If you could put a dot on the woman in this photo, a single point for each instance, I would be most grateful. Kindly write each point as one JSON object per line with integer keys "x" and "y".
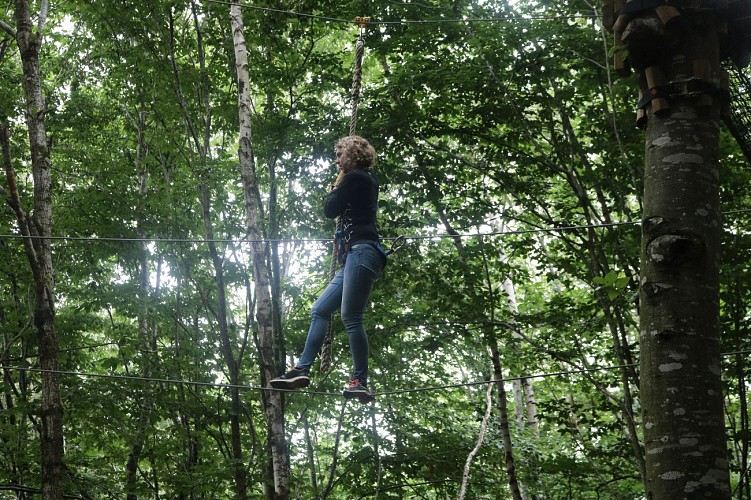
{"x": 354, "y": 199}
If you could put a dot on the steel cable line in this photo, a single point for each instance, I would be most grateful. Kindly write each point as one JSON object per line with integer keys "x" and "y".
{"x": 219, "y": 385}
{"x": 135, "y": 378}
{"x": 319, "y": 240}
{"x": 499, "y": 19}
{"x": 413, "y": 237}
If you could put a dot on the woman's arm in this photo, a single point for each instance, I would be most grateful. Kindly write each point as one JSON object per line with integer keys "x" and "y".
{"x": 339, "y": 198}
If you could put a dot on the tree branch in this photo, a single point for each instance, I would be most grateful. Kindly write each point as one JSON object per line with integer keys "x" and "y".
{"x": 7, "y": 28}
{"x": 14, "y": 200}
{"x": 43, "y": 11}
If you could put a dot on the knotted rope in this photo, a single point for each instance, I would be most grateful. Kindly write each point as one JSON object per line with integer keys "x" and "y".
{"x": 356, "y": 83}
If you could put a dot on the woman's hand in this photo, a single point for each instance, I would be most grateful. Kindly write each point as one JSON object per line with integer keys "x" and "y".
{"x": 339, "y": 178}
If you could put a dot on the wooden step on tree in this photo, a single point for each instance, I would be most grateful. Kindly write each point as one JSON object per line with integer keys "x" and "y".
{"x": 646, "y": 32}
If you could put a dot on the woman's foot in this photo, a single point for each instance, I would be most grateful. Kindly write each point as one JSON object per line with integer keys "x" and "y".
{"x": 293, "y": 379}
{"x": 356, "y": 388}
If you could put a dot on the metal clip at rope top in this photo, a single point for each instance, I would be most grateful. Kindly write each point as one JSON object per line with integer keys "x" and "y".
{"x": 362, "y": 21}
{"x": 396, "y": 244}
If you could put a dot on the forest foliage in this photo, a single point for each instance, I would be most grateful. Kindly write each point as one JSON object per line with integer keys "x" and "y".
{"x": 509, "y": 159}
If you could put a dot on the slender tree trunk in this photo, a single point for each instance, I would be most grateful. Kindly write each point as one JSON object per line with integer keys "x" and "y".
{"x": 276, "y": 268}
{"x": 39, "y": 250}
{"x": 744, "y": 484}
{"x": 525, "y": 404}
{"x": 232, "y": 361}
{"x": 200, "y": 138}
{"x": 524, "y": 393}
{"x": 310, "y": 452}
{"x": 504, "y": 421}
{"x": 376, "y": 450}
{"x": 480, "y": 440}
{"x": 492, "y": 343}
{"x": 272, "y": 400}
{"x": 681, "y": 388}
{"x": 15, "y": 392}
{"x": 145, "y": 410}
{"x": 335, "y": 455}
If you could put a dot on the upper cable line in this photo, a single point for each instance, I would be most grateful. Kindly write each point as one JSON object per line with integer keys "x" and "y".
{"x": 497, "y": 19}
{"x": 414, "y": 237}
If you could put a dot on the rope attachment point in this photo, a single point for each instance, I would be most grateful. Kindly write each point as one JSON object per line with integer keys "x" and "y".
{"x": 362, "y": 21}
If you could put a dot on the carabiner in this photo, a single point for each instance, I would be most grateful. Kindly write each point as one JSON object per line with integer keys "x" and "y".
{"x": 397, "y": 244}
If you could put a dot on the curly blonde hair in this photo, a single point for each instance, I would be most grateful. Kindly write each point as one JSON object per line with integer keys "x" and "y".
{"x": 358, "y": 150}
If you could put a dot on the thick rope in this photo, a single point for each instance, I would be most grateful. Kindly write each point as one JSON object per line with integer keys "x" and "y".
{"x": 356, "y": 84}
{"x": 355, "y": 100}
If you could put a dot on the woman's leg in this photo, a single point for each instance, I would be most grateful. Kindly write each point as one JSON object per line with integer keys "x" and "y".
{"x": 364, "y": 265}
{"x": 326, "y": 304}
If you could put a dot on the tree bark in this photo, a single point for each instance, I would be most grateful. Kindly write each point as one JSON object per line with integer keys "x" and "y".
{"x": 39, "y": 251}
{"x": 478, "y": 444}
{"x": 492, "y": 343}
{"x": 259, "y": 253}
{"x": 681, "y": 389}
{"x": 200, "y": 137}
{"x": 17, "y": 456}
{"x": 508, "y": 451}
{"x": 524, "y": 393}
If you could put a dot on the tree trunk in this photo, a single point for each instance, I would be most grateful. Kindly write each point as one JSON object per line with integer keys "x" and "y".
{"x": 508, "y": 452}
{"x": 492, "y": 343}
{"x": 232, "y": 361}
{"x": 478, "y": 444}
{"x": 144, "y": 335}
{"x": 203, "y": 146}
{"x": 744, "y": 484}
{"x": 681, "y": 389}
{"x": 310, "y": 453}
{"x": 272, "y": 400}
{"x": 39, "y": 250}
{"x": 17, "y": 456}
{"x": 524, "y": 393}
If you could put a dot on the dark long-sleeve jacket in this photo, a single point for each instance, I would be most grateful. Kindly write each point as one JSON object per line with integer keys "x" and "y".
{"x": 355, "y": 200}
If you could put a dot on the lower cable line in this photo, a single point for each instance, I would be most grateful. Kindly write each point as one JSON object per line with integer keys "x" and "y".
{"x": 219, "y": 385}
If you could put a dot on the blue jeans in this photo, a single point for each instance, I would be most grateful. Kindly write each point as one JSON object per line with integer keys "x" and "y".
{"x": 349, "y": 290}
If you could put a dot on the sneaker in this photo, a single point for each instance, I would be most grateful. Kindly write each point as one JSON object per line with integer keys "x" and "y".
{"x": 293, "y": 379}
{"x": 356, "y": 389}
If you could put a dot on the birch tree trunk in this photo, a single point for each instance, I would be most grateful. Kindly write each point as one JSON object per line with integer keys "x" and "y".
{"x": 478, "y": 444}
{"x": 524, "y": 393}
{"x": 272, "y": 400}
{"x": 681, "y": 388}
{"x": 38, "y": 250}
{"x": 233, "y": 361}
